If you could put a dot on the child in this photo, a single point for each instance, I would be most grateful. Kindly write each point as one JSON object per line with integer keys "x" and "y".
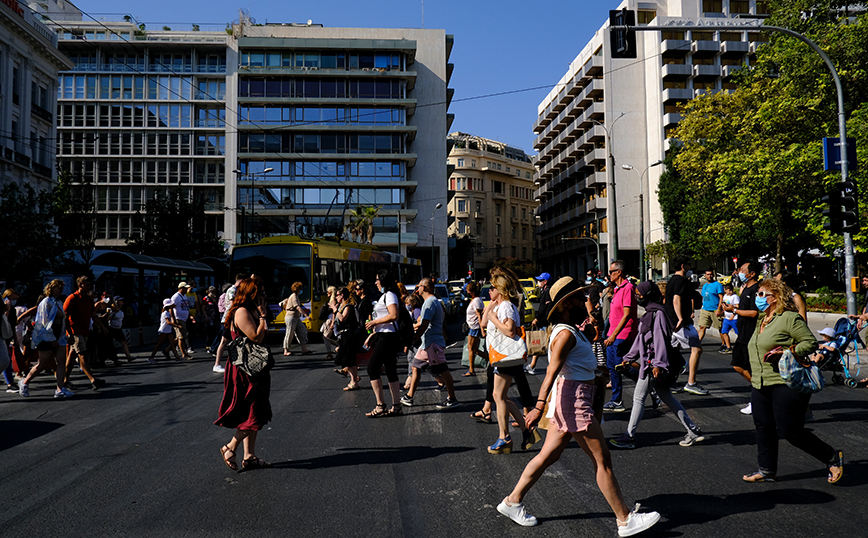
{"x": 116, "y": 323}
{"x": 166, "y": 332}
{"x": 729, "y": 318}
{"x": 829, "y": 345}
{"x": 413, "y": 303}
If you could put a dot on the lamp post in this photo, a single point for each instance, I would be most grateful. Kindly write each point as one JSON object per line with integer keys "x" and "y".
{"x": 612, "y": 211}
{"x": 252, "y": 176}
{"x": 642, "y": 212}
{"x": 436, "y": 207}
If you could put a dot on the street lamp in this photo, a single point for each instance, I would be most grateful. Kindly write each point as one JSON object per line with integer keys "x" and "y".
{"x": 594, "y": 241}
{"x": 252, "y": 176}
{"x": 436, "y": 207}
{"x": 612, "y": 211}
{"x": 642, "y": 212}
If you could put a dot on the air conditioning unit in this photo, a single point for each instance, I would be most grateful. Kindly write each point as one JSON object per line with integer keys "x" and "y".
{"x": 497, "y": 220}
{"x": 366, "y": 69}
{"x": 314, "y": 68}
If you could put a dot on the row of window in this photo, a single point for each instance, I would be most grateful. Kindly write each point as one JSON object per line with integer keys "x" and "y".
{"x": 496, "y": 166}
{"x": 121, "y": 226}
{"x": 464, "y": 227}
{"x": 139, "y": 144}
{"x": 132, "y": 198}
{"x": 145, "y": 171}
{"x": 278, "y": 197}
{"x": 321, "y": 88}
{"x": 163, "y": 88}
{"x": 140, "y": 115}
{"x": 319, "y": 143}
{"x": 388, "y": 61}
{"x": 165, "y": 62}
{"x": 464, "y": 206}
{"x": 711, "y": 35}
{"x": 736, "y": 7}
{"x": 314, "y": 115}
{"x": 323, "y": 170}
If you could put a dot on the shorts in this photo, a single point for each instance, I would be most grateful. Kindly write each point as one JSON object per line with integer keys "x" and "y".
{"x": 476, "y": 333}
{"x": 44, "y": 346}
{"x": 686, "y": 338}
{"x": 707, "y": 318}
{"x": 574, "y": 408}
{"x": 78, "y": 343}
{"x": 117, "y": 334}
{"x": 729, "y": 325}
{"x": 433, "y": 354}
{"x": 181, "y": 332}
{"x": 740, "y": 357}
{"x": 511, "y": 371}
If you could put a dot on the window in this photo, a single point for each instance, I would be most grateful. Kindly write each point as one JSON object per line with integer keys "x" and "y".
{"x": 737, "y": 7}
{"x": 460, "y": 162}
{"x": 497, "y": 186}
{"x": 472, "y": 163}
{"x": 497, "y": 210}
{"x": 462, "y": 227}
{"x": 523, "y": 232}
{"x": 712, "y": 6}
{"x": 462, "y": 206}
{"x": 645, "y": 17}
{"x": 15, "y": 83}
{"x": 762, "y": 7}
{"x": 703, "y": 36}
{"x": 478, "y": 228}
{"x": 524, "y": 252}
{"x": 730, "y": 36}
{"x": 513, "y": 252}
{"x": 677, "y": 35}
{"x": 497, "y": 230}
{"x": 512, "y": 211}
{"x": 523, "y": 213}
{"x": 478, "y": 206}
{"x": 513, "y": 235}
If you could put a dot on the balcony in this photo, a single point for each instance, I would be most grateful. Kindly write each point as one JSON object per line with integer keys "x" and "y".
{"x": 42, "y": 170}
{"x": 729, "y": 70}
{"x": 733, "y": 49}
{"x": 706, "y": 72}
{"x": 676, "y": 71}
{"x": 41, "y": 113}
{"x": 703, "y": 91}
{"x": 674, "y": 48}
{"x": 671, "y": 119}
{"x": 677, "y": 94}
{"x": 705, "y": 49}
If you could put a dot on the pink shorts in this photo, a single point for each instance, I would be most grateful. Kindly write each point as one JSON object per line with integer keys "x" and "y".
{"x": 433, "y": 354}
{"x": 574, "y": 409}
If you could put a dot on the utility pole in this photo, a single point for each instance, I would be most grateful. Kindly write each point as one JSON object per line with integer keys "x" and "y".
{"x": 612, "y": 210}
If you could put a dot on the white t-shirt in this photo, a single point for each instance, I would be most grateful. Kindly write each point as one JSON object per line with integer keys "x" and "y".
{"x": 381, "y": 309}
{"x": 117, "y": 320}
{"x": 165, "y": 327}
{"x": 472, "y": 319}
{"x": 182, "y": 306}
{"x": 730, "y": 300}
{"x": 504, "y": 311}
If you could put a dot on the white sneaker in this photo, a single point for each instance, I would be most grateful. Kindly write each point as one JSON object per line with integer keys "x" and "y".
{"x": 190, "y": 351}
{"x": 530, "y": 371}
{"x": 517, "y": 513}
{"x": 63, "y": 393}
{"x": 746, "y": 410}
{"x": 218, "y": 369}
{"x": 24, "y": 389}
{"x": 637, "y": 522}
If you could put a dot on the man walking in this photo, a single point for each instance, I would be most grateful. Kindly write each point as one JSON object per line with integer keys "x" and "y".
{"x": 712, "y": 302}
{"x": 746, "y": 310}
{"x": 541, "y": 320}
{"x": 679, "y": 308}
{"x": 226, "y": 334}
{"x": 431, "y": 353}
{"x": 182, "y": 314}
{"x": 622, "y": 330}
{"x": 80, "y": 312}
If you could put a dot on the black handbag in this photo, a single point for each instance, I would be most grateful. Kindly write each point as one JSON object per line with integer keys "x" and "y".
{"x": 465, "y": 328}
{"x": 249, "y": 357}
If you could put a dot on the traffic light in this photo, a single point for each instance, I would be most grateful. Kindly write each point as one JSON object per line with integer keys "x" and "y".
{"x": 843, "y": 210}
{"x": 622, "y": 41}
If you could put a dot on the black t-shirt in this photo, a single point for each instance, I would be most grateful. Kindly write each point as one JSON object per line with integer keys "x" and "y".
{"x": 678, "y": 285}
{"x": 365, "y": 308}
{"x": 744, "y": 324}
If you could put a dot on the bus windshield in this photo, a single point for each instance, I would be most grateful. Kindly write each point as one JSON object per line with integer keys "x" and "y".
{"x": 279, "y": 266}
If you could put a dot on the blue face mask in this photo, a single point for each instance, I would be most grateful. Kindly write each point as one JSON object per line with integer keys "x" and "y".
{"x": 742, "y": 277}
{"x": 761, "y": 303}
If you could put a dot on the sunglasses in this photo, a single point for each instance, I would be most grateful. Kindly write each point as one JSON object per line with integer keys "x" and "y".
{"x": 762, "y": 293}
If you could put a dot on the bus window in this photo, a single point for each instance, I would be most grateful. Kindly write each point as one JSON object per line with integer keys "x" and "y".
{"x": 279, "y": 266}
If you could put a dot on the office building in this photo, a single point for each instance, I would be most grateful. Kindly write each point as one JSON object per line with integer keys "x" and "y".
{"x": 491, "y": 199}
{"x": 29, "y": 64}
{"x": 635, "y": 103}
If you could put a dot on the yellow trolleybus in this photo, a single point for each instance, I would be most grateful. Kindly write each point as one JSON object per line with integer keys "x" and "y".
{"x": 317, "y": 263}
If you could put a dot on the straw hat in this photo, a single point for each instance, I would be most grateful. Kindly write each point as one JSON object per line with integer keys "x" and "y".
{"x": 562, "y": 289}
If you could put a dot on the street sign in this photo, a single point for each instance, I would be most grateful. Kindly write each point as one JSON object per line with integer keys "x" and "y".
{"x": 832, "y": 154}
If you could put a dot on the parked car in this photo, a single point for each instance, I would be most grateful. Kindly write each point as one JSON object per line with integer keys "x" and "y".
{"x": 531, "y": 289}
{"x": 443, "y": 295}
{"x": 529, "y": 312}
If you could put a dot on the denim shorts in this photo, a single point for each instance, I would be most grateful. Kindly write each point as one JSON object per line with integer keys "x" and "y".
{"x": 475, "y": 333}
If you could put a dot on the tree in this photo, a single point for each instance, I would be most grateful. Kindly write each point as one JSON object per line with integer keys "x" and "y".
{"x": 361, "y": 226}
{"x": 75, "y": 215}
{"x": 522, "y": 268}
{"x": 172, "y": 226}
{"x": 27, "y": 229}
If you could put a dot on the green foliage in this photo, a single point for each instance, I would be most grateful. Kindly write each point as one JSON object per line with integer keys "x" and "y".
{"x": 361, "y": 226}
{"x": 172, "y": 226}
{"x": 75, "y": 214}
{"x": 27, "y": 229}
{"x": 749, "y": 175}
{"x": 522, "y": 268}
{"x": 827, "y": 301}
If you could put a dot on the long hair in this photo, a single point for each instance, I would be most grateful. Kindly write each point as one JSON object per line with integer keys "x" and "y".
{"x": 505, "y": 286}
{"x": 246, "y": 294}
{"x": 348, "y": 295}
{"x": 782, "y": 293}
{"x": 56, "y": 283}
{"x": 387, "y": 280}
{"x": 511, "y": 284}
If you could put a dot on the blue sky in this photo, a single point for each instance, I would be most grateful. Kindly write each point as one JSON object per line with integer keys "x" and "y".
{"x": 499, "y": 46}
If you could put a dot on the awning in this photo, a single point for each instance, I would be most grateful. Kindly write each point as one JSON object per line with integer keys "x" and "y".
{"x": 116, "y": 258}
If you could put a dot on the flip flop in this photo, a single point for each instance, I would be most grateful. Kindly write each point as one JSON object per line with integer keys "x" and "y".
{"x": 468, "y": 374}
{"x": 352, "y": 386}
{"x": 341, "y": 371}
{"x": 254, "y": 463}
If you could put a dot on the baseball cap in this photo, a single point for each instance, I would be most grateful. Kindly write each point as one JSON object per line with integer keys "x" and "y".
{"x": 183, "y": 285}
{"x": 543, "y": 276}
{"x": 828, "y": 331}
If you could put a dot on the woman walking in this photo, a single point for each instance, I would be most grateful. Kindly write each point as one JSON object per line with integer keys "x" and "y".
{"x": 571, "y": 373}
{"x": 474, "y": 316}
{"x": 293, "y": 311}
{"x": 778, "y": 410}
{"x": 245, "y": 406}
{"x": 657, "y": 363}
{"x": 385, "y": 345}
{"x": 49, "y": 339}
{"x": 347, "y": 323}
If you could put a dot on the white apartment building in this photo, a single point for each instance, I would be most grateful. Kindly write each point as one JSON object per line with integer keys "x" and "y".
{"x": 277, "y": 128}
{"x": 637, "y": 102}
{"x": 29, "y": 63}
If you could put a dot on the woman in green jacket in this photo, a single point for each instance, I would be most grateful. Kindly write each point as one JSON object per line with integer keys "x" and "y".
{"x": 778, "y": 410}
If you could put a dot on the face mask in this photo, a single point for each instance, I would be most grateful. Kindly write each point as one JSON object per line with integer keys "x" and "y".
{"x": 742, "y": 277}
{"x": 13, "y": 301}
{"x": 106, "y": 300}
{"x": 761, "y": 303}
{"x": 643, "y": 301}
{"x": 588, "y": 280}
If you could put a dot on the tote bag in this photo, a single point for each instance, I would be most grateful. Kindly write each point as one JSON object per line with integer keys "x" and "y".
{"x": 799, "y": 378}
{"x": 504, "y": 351}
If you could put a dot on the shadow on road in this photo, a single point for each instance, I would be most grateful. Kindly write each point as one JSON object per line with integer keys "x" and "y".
{"x": 372, "y": 456}
{"x": 15, "y": 432}
{"x": 690, "y": 509}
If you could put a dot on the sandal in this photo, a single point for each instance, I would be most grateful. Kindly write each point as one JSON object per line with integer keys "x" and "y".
{"x": 758, "y": 476}
{"x": 396, "y": 411}
{"x": 378, "y": 411}
{"x": 480, "y": 416}
{"x": 352, "y": 386}
{"x": 229, "y": 461}
{"x": 341, "y": 371}
{"x": 468, "y": 374}
{"x": 836, "y": 467}
{"x": 254, "y": 463}
{"x": 308, "y": 352}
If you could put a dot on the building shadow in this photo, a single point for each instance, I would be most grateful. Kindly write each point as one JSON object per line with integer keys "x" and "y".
{"x": 16, "y": 432}
{"x": 371, "y": 456}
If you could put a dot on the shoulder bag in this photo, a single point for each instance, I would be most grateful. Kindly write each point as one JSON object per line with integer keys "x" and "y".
{"x": 804, "y": 379}
{"x": 248, "y": 356}
{"x": 504, "y": 351}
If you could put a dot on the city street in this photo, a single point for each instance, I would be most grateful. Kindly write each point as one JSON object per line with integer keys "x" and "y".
{"x": 141, "y": 458}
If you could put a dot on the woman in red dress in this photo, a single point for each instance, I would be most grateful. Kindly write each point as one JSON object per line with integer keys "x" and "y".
{"x": 245, "y": 407}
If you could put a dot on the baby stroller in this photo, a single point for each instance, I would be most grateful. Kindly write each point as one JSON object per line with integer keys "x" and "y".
{"x": 839, "y": 361}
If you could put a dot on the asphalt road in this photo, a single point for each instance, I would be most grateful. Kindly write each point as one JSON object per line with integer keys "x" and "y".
{"x": 141, "y": 458}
